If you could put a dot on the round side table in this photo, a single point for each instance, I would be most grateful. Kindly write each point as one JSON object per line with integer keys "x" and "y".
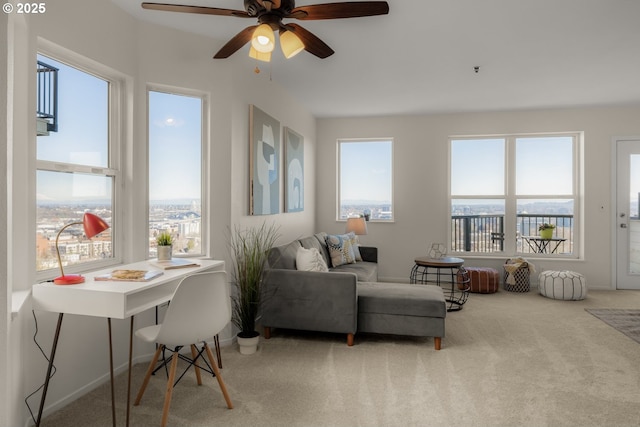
{"x": 448, "y": 273}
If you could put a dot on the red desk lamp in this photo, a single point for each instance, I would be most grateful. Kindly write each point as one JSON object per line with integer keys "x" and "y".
{"x": 93, "y": 225}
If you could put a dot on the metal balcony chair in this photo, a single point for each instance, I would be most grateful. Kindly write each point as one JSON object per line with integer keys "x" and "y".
{"x": 199, "y": 310}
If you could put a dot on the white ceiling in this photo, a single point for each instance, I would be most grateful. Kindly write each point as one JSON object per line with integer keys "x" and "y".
{"x": 420, "y": 58}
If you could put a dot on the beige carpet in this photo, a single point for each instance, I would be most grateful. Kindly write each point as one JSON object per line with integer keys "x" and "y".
{"x": 508, "y": 360}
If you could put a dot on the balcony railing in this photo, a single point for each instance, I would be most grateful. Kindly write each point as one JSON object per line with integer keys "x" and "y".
{"x": 485, "y": 233}
{"x": 47, "y": 102}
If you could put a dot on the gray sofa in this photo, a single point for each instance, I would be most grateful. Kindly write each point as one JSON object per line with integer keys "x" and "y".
{"x": 310, "y": 300}
{"x": 346, "y": 299}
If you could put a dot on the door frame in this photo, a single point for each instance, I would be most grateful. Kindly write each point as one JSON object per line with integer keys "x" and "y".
{"x": 614, "y": 205}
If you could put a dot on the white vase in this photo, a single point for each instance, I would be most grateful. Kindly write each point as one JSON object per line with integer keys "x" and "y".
{"x": 164, "y": 253}
{"x": 248, "y": 345}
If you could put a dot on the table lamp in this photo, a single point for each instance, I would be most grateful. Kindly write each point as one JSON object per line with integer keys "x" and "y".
{"x": 357, "y": 225}
{"x": 93, "y": 225}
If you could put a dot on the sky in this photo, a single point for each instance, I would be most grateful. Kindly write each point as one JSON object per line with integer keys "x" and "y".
{"x": 175, "y": 124}
{"x": 366, "y": 171}
{"x": 543, "y": 166}
{"x": 175, "y": 140}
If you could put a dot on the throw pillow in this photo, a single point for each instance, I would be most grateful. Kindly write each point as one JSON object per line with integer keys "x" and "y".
{"x": 310, "y": 260}
{"x": 340, "y": 249}
{"x": 354, "y": 245}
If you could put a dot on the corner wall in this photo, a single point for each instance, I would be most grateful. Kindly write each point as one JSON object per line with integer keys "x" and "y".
{"x": 420, "y": 179}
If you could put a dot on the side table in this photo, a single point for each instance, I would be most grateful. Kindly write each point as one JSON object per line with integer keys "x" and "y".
{"x": 448, "y": 273}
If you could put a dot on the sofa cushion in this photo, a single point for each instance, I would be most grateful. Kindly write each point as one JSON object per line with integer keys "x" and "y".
{"x": 321, "y": 237}
{"x": 310, "y": 260}
{"x": 402, "y": 299}
{"x": 313, "y": 242}
{"x": 355, "y": 245}
{"x": 340, "y": 249}
{"x": 284, "y": 256}
{"x": 366, "y": 271}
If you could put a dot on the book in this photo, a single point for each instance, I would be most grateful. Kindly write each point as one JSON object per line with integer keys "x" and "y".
{"x": 130, "y": 275}
{"x": 175, "y": 263}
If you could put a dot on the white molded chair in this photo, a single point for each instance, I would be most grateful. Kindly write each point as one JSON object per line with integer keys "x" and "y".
{"x": 199, "y": 310}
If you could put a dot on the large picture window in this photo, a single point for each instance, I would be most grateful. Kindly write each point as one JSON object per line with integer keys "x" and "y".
{"x": 504, "y": 189}
{"x": 76, "y": 168}
{"x": 175, "y": 170}
{"x": 365, "y": 169}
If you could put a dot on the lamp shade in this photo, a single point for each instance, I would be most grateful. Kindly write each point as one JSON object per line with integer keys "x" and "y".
{"x": 290, "y": 44}
{"x": 356, "y": 225}
{"x": 93, "y": 225}
{"x": 263, "y": 39}
{"x": 260, "y": 56}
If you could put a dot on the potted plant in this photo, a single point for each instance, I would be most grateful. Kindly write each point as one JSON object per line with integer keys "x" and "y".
{"x": 249, "y": 251}
{"x": 164, "y": 242}
{"x": 546, "y": 230}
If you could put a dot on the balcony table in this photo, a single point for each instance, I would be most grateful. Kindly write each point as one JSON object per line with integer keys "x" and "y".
{"x": 540, "y": 245}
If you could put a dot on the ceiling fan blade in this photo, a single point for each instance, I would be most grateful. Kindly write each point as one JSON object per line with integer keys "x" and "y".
{"x": 239, "y": 40}
{"x": 195, "y": 9}
{"x": 312, "y": 44}
{"x": 350, "y": 9}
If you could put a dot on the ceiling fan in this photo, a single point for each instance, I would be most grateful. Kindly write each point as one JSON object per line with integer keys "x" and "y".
{"x": 270, "y": 13}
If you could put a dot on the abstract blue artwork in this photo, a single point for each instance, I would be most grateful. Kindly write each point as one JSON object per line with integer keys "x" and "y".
{"x": 264, "y": 137}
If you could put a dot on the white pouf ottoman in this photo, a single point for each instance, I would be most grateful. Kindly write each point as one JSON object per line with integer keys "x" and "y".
{"x": 563, "y": 285}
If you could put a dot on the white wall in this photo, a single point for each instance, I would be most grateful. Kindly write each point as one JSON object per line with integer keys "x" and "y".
{"x": 144, "y": 54}
{"x": 420, "y": 179}
{"x": 5, "y": 295}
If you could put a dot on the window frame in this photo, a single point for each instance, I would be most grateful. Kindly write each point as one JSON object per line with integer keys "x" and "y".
{"x": 511, "y": 198}
{"x": 339, "y": 143}
{"x": 204, "y": 164}
{"x": 117, "y": 87}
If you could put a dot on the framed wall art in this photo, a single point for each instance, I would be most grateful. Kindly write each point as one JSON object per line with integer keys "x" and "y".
{"x": 294, "y": 171}
{"x": 264, "y": 160}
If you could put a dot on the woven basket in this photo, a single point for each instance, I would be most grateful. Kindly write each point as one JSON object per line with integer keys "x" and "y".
{"x": 521, "y": 278}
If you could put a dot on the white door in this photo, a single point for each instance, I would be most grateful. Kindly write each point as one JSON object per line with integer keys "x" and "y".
{"x": 627, "y": 214}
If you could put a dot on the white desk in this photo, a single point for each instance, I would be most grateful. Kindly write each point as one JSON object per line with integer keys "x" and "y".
{"x": 110, "y": 299}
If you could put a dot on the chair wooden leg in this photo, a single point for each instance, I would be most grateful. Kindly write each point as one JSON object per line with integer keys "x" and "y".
{"x": 437, "y": 342}
{"x": 150, "y": 369}
{"x": 267, "y": 332}
{"x": 194, "y": 355}
{"x": 223, "y": 387}
{"x": 168, "y": 394}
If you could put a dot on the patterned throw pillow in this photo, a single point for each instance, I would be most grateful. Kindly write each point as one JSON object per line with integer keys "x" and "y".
{"x": 310, "y": 260}
{"x": 354, "y": 245}
{"x": 340, "y": 249}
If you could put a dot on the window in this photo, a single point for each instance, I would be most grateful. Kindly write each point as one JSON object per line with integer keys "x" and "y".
{"x": 365, "y": 179}
{"x": 504, "y": 188}
{"x": 76, "y": 171}
{"x": 175, "y": 170}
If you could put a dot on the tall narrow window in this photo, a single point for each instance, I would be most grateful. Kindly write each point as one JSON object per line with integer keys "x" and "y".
{"x": 175, "y": 171}
{"x": 505, "y": 189}
{"x": 365, "y": 179}
{"x": 75, "y": 172}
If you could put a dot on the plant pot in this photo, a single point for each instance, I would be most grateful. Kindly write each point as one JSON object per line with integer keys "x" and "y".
{"x": 547, "y": 233}
{"x": 248, "y": 342}
{"x": 165, "y": 253}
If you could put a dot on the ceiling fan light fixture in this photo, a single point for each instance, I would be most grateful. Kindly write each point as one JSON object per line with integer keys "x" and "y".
{"x": 291, "y": 44}
{"x": 260, "y": 56}
{"x": 263, "y": 39}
